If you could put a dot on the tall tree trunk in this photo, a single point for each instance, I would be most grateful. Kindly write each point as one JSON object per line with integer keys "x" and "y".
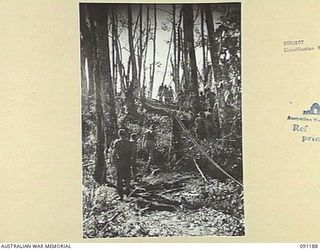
{"x": 146, "y": 50}
{"x": 131, "y": 48}
{"x": 203, "y": 45}
{"x": 175, "y": 69}
{"x": 105, "y": 73}
{"x": 179, "y": 50}
{"x": 211, "y": 39}
{"x": 154, "y": 51}
{"x": 100, "y": 164}
{"x": 131, "y": 90}
{"x": 134, "y": 46}
{"x": 179, "y": 58}
{"x": 120, "y": 64}
{"x": 213, "y": 53}
{"x": 189, "y": 41}
{"x": 86, "y": 49}
{"x": 140, "y": 48}
{"x": 84, "y": 81}
{"x": 92, "y": 85}
{"x": 185, "y": 61}
{"x": 114, "y": 57}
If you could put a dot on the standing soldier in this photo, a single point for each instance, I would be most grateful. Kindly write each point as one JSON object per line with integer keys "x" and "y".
{"x": 210, "y": 98}
{"x": 122, "y": 158}
{"x": 150, "y": 144}
{"x": 166, "y": 94}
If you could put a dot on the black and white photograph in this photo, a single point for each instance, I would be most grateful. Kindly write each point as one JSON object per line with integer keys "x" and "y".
{"x": 161, "y": 109}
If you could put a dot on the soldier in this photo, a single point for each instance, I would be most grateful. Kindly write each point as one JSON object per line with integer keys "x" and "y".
{"x": 122, "y": 158}
{"x": 133, "y": 141}
{"x": 210, "y": 98}
{"x": 166, "y": 94}
{"x": 150, "y": 144}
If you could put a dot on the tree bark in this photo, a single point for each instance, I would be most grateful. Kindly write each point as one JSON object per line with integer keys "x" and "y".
{"x": 175, "y": 69}
{"x": 100, "y": 164}
{"x": 146, "y": 50}
{"x": 189, "y": 42}
{"x": 120, "y": 65}
{"x": 185, "y": 61}
{"x": 114, "y": 57}
{"x": 84, "y": 37}
{"x": 134, "y": 77}
{"x": 132, "y": 88}
{"x": 154, "y": 51}
{"x": 140, "y": 48}
{"x": 179, "y": 58}
{"x": 203, "y": 45}
{"x": 105, "y": 73}
{"x": 213, "y": 52}
{"x": 179, "y": 50}
{"x": 86, "y": 49}
{"x": 211, "y": 39}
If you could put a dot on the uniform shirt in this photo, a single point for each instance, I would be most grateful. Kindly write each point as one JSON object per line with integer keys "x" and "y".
{"x": 122, "y": 151}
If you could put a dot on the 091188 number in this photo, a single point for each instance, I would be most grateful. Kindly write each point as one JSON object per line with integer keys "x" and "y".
{"x": 304, "y": 246}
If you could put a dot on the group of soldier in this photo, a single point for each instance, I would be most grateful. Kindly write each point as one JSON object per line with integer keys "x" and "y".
{"x": 165, "y": 94}
{"x": 124, "y": 151}
{"x": 207, "y": 98}
{"x": 207, "y": 124}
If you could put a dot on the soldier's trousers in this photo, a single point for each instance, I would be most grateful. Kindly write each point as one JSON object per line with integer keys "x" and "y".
{"x": 123, "y": 177}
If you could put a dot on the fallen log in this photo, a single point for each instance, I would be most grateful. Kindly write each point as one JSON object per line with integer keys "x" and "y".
{"x": 155, "y": 110}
